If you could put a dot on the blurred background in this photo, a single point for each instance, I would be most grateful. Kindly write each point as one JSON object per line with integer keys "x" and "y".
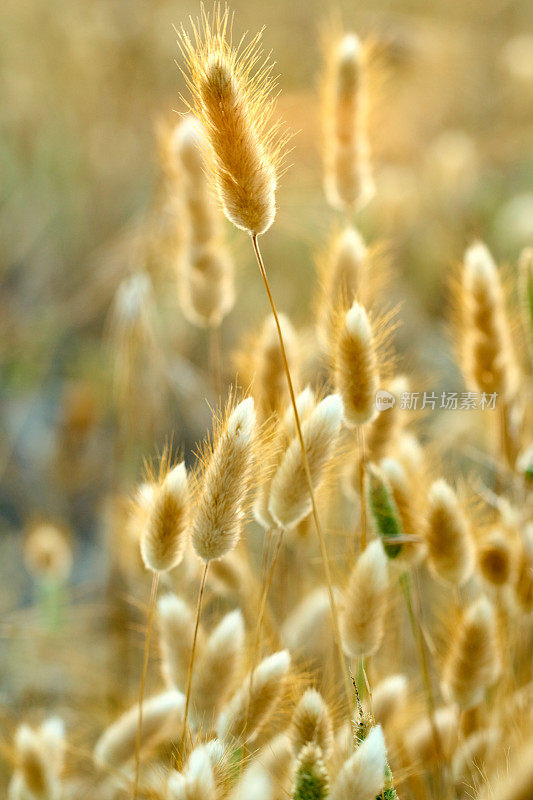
{"x": 85, "y": 88}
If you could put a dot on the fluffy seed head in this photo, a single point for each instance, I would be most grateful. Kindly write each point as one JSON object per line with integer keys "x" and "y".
{"x": 450, "y": 548}
{"x": 311, "y": 781}
{"x": 161, "y": 715}
{"x": 420, "y": 741}
{"x": 270, "y": 384}
{"x": 224, "y": 484}
{"x": 39, "y": 760}
{"x": 386, "y": 427}
{"x": 473, "y": 663}
{"x": 218, "y": 665}
{"x": 495, "y": 558}
{"x": 206, "y": 281}
{"x": 363, "y": 617}
{"x": 230, "y": 88}
{"x": 311, "y": 723}
{"x": 47, "y": 552}
{"x": 164, "y": 538}
{"x": 485, "y": 340}
{"x": 250, "y": 707}
{"x": 406, "y": 493}
{"x": 307, "y": 629}
{"x": 363, "y": 775}
{"x": 356, "y": 367}
{"x": 342, "y": 277}
{"x": 289, "y": 496}
{"x": 176, "y": 632}
{"x": 348, "y": 180}
{"x": 388, "y": 696}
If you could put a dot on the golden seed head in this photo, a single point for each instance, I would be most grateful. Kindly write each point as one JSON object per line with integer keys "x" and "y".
{"x": 224, "y": 484}
{"x": 420, "y": 739}
{"x": 252, "y": 705}
{"x": 388, "y": 696}
{"x": 231, "y": 99}
{"x": 356, "y": 367}
{"x": 485, "y": 339}
{"x": 218, "y": 665}
{"x": 473, "y": 663}
{"x": 449, "y": 541}
{"x": 362, "y": 621}
{"x": 289, "y": 495}
{"x": 164, "y": 537}
{"x": 311, "y": 723}
{"x": 495, "y": 558}
{"x": 348, "y": 179}
{"x": 162, "y": 714}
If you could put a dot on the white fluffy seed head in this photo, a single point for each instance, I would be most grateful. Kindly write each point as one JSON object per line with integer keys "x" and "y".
{"x": 251, "y": 706}
{"x": 218, "y": 665}
{"x": 311, "y": 723}
{"x": 176, "y": 632}
{"x": 363, "y": 617}
{"x": 161, "y": 715}
{"x": 363, "y": 775}
{"x": 480, "y": 267}
{"x": 388, "y": 697}
{"x": 290, "y": 501}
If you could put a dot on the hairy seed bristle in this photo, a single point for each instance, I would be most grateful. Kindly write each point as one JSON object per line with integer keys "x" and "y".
{"x": 348, "y": 179}
{"x": 363, "y": 775}
{"x": 363, "y": 618}
{"x": 473, "y": 662}
{"x": 230, "y": 89}
{"x": 165, "y": 535}
{"x": 356, "y": 367}
{"x": 161, "y": 717}
{"x": 224, "y": 484}
{"x": 290, "y": 501}
{"x": 448, "y": 537}
{"x": 252, "y": 705}
{"x": 311, "y": 723}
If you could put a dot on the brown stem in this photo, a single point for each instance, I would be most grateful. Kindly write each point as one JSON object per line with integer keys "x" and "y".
{"x": 309, "y": 480}
{"x": 362, "y": 492}
{"x": 193, "y": 651}
{"x": 151, "y": 609}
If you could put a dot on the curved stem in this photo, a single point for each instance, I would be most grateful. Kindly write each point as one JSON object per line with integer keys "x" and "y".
{"x": 193, "y": 651}
{"x": 151, "y": 609}
{"x": 309, "y": 480}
